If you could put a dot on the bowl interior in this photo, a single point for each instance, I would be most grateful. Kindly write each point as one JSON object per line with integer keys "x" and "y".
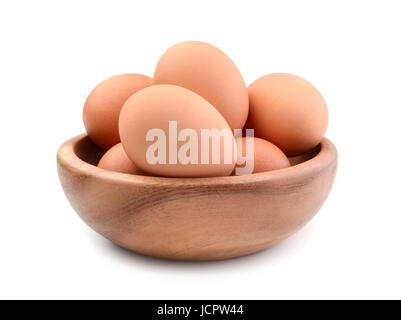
{"x": 90, "y": 153}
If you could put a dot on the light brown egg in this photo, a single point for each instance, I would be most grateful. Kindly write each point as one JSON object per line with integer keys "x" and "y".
{"x": 209, "y": 72}
{"x": 115, "y": 159}
{"x": 266, "y": 156}
{"x": 154, "y": 112}
{"x": 287, "y": 111}
{"x": 103, "y": 105}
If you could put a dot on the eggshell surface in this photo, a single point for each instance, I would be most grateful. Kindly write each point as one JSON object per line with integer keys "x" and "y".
{"x": 157, "y": 107}
{"x": 288, "y": 111}
{"x": 209, "y": 72}
{"x": 115, "y": 159}
{"x": 103, "y": 105}
{"x": 266, "y": 156}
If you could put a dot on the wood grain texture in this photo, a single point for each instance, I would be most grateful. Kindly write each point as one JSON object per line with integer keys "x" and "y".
{"x": 195, "y": 218}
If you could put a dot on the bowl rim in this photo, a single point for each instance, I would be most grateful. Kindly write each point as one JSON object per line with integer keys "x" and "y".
{"x": 69, "y": 160}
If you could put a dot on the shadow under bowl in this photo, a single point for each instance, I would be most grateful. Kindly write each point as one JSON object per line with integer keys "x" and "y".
{"x": 195, "y": 218}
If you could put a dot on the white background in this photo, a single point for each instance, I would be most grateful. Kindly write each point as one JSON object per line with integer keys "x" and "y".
{"x": 53, "y": 53}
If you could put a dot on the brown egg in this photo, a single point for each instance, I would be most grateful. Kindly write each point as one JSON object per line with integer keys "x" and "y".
{"x": 161, "y": 131}
{"x": 115, "y": 159}
{"x": 103, "y": 105}
{"x": 266, "y": 156}
{"x": 209, "y": 72}
{"x": 288, "y": 111}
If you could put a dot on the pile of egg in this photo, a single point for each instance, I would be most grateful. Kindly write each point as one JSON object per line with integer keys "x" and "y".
{"x": 198, "y": 86}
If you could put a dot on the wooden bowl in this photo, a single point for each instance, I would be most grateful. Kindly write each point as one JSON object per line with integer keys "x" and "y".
{"x": 196, "y": 218}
